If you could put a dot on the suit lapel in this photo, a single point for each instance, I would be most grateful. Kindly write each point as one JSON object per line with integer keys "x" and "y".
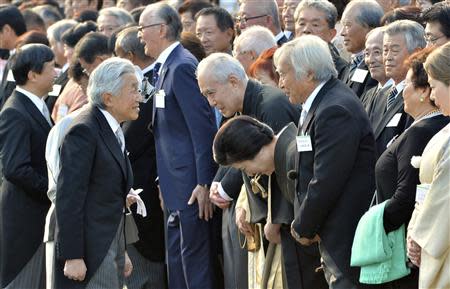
{"x": 111, "y": 141}
{"x": 395, "y": 108}
{"x": 33, "y": 111}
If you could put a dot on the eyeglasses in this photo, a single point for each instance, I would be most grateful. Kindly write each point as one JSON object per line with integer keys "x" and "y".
{"x": 432, "y": 40}
{"x": 142, "y": 27}
{"x": 244, "y": 19}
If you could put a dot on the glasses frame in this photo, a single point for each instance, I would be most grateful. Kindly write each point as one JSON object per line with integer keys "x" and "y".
{"x": 244, "y": 19}
{"x": 142, "y": 27}
{"x": 433, "y": 40}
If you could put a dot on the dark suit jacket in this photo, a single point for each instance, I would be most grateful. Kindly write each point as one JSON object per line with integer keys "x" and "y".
{"x": 62, "y": 80}
{"x": 184, "y": 131}
{"x": 357, "y": 87}
{"x": 379, "y": 118}
{"x": 282, "y": 40}
{"x": 339, "y": 63}
{"x": 94, "y": 180}
{"x": 24, "y": 203}
{"x": 336, "y": 178}
{"x": 141, "y": 146}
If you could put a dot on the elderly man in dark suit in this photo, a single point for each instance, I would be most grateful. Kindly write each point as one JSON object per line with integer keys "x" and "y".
{"x": 24, "y": 126}
{"x": 335, "y": 165}
{"x": 184, "y": 127}
{"x": 95, "y": 177}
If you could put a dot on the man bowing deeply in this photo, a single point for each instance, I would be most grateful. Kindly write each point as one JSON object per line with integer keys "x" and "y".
{"x": 93, "y": 182}
{"x": 184, "y": 127}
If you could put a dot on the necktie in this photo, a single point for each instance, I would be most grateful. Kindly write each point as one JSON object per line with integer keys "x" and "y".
{"x": 46, "y": 114}
{"x": 120, "y": 139}
{"x": 391, "y": 97}
{"x": 303, "y": 115}
{"x": 356, "y": 60}
{"x": 156, "y": 73}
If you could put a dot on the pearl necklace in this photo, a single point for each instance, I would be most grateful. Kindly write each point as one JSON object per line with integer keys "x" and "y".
{"x": 433, "y": 113}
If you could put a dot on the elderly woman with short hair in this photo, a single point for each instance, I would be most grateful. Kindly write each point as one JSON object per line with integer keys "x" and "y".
{"x": 429, "y": 230}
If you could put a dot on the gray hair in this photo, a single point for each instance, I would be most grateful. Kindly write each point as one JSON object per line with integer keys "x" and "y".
{"x": 56, "y": 30}
{"x": 255, "y": 38}
{"x": 308, "y": 54}
{"x": 107, "y": 78}
{"x": 375, "y": 30}
{"x": 369, "y": 12}
{"x": 324, "y": 6}
{"x": 269, "y": 7}
{"x": 220, "y": 66}
{"x": 413, "y": 32}
{"x": 128, "y": 41}
{"x": 167, "y": 14}
{"x": 123, "y": 16}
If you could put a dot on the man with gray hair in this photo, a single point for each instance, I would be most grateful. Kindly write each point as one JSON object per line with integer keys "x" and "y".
{"x": 401, "y": 39}
{"x": 359, "y": 17}
{"x": 224, "y": 83}
{"x": 336, "y": 161}
{"x": 147, "y": 254}
{"x": 264, "y": 13}
{"x": 94, "y": 180}
{"x": 251, "y": 43}
{"x": 112, "y": 18}
{"x": 318, "y": 17}
{"x": 184, "y": 127}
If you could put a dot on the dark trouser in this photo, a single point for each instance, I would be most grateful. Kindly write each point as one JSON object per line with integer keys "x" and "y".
{"x": 335, "y": 278}
{"x": 188, "y": 250}
{"x": 300, "y": 263}
{"x": 234, "y": 257}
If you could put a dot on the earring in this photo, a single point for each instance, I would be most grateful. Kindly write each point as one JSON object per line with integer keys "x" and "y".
{"x": 421, "y": 99}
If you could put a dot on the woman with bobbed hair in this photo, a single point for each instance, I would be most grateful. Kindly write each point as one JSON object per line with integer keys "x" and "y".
{"x": 263, "y": 68}
{"x": 429, "y": 229}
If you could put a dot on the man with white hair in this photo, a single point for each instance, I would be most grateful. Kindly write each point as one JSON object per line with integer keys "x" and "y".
{"x": 359, "y": 17}
{"x": 388, "y": 118}
{"x": 224, "y": 83}
{"x": 334, "y": 179}
{"x": 95, "y": 177}
{"x": 251, "y": 43}
{"x": 264, "y": 13}
{"x": 112, "y": 18}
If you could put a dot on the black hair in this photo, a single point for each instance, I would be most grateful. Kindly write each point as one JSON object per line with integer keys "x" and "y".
{"x": 136, "y": 13}
{"x": 224, "y": 20}
{"x": 74, "y": 34}
{"x": 193, "y": 7}
{"x": 76, "y": 72}
{"x": 439, "y": 13}
{"x": 33, "y": 20}
{"x": 30, "y": 57}
{"x": 87, "y": 15}
{"x": 240, "y": 139}
{"x": 10, "y": 14}
{"x": 92, "y": 45}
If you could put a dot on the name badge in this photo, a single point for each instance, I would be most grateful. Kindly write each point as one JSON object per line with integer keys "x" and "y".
{"x": 359, "y": 75}
{"x": 159, "y": 99}
{"x": 394, "y": 121}
{"x": 421, "y": 192}
{"x": 10, "y": 76}
{"x": 56, "y": 90}
{"x": 304, "y": 143}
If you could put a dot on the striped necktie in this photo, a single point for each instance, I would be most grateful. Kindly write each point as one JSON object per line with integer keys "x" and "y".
{"x": 156, "y": 73}
{"x": 391, "y": 97}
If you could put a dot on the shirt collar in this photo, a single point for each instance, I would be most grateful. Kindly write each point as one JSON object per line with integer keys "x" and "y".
{"x": 387, "y": 84}
{"x": 38, "y": 102}
{"x": 65, "y": 67}
{"x": 113, "y": 123}
{"x": 279, "y": 36}
{"x": 287, "y": 33}
{"x": 148, "y": 68}
{"x": 165, "y": 54}
{"x": 400, "y": 86}
{"x": 307, "y": 105}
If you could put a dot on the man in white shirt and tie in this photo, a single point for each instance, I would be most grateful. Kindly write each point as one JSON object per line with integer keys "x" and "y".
{"x": 24, "y": 126}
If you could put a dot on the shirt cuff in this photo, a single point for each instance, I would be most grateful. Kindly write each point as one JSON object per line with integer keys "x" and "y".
{"x": 222, "y": 192}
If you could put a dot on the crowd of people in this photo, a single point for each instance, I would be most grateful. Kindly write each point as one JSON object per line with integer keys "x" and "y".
{"x": 187, "y": 144}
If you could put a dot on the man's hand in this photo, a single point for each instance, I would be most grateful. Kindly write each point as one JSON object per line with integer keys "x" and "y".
{"x": 75, "y": 269}
{"x": 303, "y": 241}
{"x": 128, "y": 268}
{"x": 215, "y": 197}
{"x": 205, "y": 207}
{"x": 414, "y": 251}
{"x": 243, "y": 225}
{"x": 272, "y": 233}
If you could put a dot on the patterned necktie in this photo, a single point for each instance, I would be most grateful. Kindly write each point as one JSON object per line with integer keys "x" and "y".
{"x": 120, "y": 139}
{"x": 391, "y": 97}
{"x": 303, "y": 115}
{"x": 156, "y": 73}
{"x": 356, "y": 60}
{"x": 46, "y": 114}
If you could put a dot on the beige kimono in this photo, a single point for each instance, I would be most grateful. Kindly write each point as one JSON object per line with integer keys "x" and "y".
{"x": 430, "y": 223}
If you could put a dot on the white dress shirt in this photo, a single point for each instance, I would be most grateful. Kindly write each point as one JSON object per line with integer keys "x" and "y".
{"x": 115, "y": 126}
{"x": 165, "y": 54}
{"x": 37, "y": 101}
{"x": 307, "y": 105}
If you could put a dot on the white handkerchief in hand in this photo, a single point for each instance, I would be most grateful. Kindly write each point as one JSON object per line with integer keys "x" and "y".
{"x": 141, "y": 209}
